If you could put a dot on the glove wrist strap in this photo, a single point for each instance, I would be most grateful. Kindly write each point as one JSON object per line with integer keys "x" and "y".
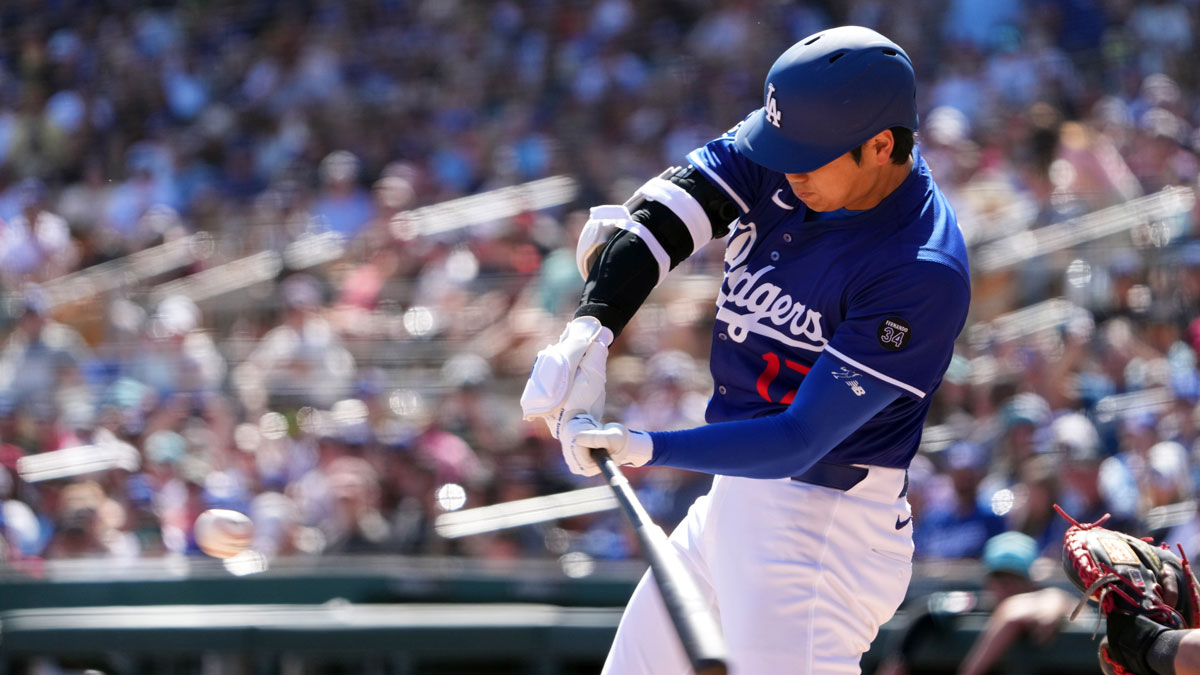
{"x": 1161, "y": 655}
{"x": 640, "y": 449}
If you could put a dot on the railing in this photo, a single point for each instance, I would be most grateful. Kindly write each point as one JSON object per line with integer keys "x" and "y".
{"x": 308, "y": 251}
{"x": 129, "y": 270}
{"x": 418, "y": 639}
{"x": 411, "y": 616}
{"x": 485, "y": 207}
{"x": 1158, "y": 216}
{"x": 305, "y": 252}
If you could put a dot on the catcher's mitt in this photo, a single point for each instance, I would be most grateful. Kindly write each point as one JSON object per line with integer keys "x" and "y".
{"x": 1131, "y": 577}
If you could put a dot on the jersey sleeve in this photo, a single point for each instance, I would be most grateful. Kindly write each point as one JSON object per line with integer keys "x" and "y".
{"x": 730, "y": 170}
{"x": 825, "y": 411}
{"x": 900, "y": 329}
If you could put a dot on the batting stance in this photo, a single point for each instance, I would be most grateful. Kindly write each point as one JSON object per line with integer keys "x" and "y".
{"x": 845, "y": 285}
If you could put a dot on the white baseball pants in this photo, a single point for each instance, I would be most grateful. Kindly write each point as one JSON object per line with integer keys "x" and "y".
{"x": 800, "y": 576}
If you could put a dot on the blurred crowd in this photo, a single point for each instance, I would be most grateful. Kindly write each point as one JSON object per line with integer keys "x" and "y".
{"x": 344, "y": 401}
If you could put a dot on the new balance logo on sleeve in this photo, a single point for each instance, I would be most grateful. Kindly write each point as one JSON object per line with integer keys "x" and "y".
{"x": 844, "y": 373}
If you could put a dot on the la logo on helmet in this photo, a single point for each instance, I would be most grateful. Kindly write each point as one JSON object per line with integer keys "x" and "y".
{"x": 772, "y": 111}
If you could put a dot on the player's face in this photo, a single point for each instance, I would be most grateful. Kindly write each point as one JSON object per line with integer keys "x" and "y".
{"x": 847, "y": 184}
{"x": 831, "y": 187}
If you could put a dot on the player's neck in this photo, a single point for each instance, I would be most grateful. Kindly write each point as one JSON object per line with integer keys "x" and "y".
{"x": 885, "y": 181}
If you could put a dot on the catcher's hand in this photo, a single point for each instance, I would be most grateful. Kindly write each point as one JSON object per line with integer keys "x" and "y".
{"x": 1129, "y": 639}
{"x": 1142, "y": 589}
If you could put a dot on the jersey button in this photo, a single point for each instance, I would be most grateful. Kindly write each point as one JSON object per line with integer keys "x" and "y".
{"x": 722, "y": 336}
{"x": 774, "y": 255}
{"x": 787, "y": 237}
{"x": 721, "y": 389}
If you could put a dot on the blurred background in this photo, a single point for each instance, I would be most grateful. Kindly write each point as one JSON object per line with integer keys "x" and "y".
{"x": 295, "y": 259}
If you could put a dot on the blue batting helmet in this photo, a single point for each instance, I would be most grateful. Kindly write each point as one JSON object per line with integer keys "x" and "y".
{"x": 826, "y": 95}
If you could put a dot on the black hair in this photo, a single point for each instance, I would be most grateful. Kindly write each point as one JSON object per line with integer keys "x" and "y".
{"x": 904, "y": 139}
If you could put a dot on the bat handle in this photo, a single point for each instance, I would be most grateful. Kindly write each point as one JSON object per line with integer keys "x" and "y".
{"x": 697, "y": 628}
{"x": 621, "y": 489}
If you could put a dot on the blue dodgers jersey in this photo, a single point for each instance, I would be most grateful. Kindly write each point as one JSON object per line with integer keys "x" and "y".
{"x": 884, "y": 291}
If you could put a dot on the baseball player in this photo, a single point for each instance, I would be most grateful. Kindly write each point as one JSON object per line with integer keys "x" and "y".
{"x": 845, "y": 286}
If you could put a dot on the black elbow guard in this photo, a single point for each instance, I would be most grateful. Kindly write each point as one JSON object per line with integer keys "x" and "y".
{"x": 678, "y": 213}
{"x": 673, "y": 216}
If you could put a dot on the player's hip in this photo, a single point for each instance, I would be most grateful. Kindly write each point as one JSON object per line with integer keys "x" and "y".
{"x": 867, "y": 506}
{"x": 776, "y": 546}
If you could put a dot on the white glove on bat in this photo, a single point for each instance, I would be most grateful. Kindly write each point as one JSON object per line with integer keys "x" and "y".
{"x": 626, "y": 447}
{"x": 568, "y": 377}
{"x": 603, "y": 222}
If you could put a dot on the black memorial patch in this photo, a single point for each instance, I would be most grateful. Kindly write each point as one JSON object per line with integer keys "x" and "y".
{"x": 894, "y": 333}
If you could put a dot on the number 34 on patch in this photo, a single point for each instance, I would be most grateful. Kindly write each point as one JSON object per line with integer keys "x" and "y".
{"x": 894, "y": 333}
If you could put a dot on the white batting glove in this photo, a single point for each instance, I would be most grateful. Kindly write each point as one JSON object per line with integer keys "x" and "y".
{"x": 603, "y": 222}
{"x": 626, "y": 447}
{"x": 568, "y": 377}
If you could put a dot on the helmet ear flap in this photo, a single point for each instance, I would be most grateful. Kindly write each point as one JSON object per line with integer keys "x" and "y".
{"x": 827, "y": 95}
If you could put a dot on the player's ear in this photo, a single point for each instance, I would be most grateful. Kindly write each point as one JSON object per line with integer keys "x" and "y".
{"x": 879, "y": 148}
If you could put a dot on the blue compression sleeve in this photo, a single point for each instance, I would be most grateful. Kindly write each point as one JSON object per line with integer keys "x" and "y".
{"x": 825, "y": 412}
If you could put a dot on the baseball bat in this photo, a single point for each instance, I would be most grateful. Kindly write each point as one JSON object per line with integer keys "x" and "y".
{"x": 697, "y": 629}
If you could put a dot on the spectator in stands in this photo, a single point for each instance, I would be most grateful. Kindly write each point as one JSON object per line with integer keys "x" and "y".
{"x": 1034, "y": 495}
{"x": 470, "y": 409}
{"x": 1022, "y": 607}
{"x": 39, "y": 357}
{"x": 277, "y": 525}
{"x": 88, "y": 525}
{"x": 1076, "y": 444}
{"x": 355, "y": 524}
{"x": 1020, "y": 418}
{"x": 301, "y": 361}
{"x": 363, "y": 290}
{"x": 1168, "y": 476}
{"x": 671, "y": 396}
{"x": 961, "y": 528}
{"x": 342, "y": 206}
{"x": 1099, "y": 174}
{"x": 21, "y": 532}
{"x": 1124, "y": 474}
{"x": 142, "y": 522}
{"x": 410, "y": 484}
{"x": 148, "y": 188}
{"x": 178, "y": 355}
{"x": 83, "y": 203}
{"x": 35, "y": 244}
